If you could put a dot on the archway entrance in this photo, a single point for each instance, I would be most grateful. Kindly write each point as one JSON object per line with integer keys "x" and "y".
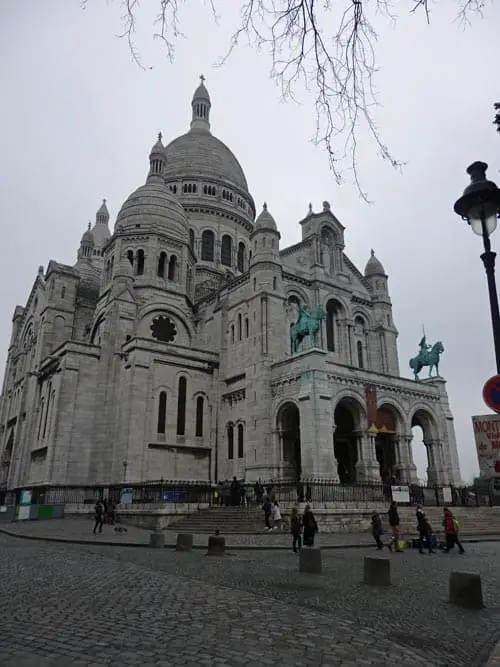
{"x": 385, "y": 449}
{"x": 289, "y": 429}
{"x": 345, "y": 443}
{"x": 422, "y": 428}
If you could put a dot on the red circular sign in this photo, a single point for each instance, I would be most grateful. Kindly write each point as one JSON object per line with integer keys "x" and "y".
{"x": 491, "y": 393}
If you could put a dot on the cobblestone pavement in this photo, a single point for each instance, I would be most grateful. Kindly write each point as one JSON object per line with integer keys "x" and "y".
{"x": 81, "y": 529}
{"x": 74, "y": 605}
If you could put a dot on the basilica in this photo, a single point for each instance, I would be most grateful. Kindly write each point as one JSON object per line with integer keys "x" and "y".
{"x": 168, "y": 350}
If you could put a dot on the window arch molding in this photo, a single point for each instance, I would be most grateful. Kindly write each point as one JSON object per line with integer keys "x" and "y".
{"x": 159, "y": 307}
{"x": 95, "y": 328}
{"x": 335, "y": 311}
{"x": 295, "y": 293}
{"x": 359, "y": 313}
{"x": 201, "y": 427}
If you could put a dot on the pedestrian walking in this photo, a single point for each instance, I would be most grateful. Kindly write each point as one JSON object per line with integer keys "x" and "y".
{"x": 424, "y": 530}
{"x": 394, "y": 524}
{"x": 377, "y": 530}
{"x": 266, "y": 507}
{"x": 296, "y": 530}
{"x": 451, "y": 528}
{"x": 99, "y": 516}
{"x": 310, "y": 527}
{"x": 276, "y": 515}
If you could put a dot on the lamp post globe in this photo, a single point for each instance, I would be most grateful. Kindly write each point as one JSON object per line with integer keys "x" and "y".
{"x": 480, "y": 206}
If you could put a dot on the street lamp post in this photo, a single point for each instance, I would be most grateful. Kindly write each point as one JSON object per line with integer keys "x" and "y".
{"x": 480, "y": 206}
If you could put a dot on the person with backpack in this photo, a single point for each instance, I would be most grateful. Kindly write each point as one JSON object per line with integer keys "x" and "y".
{"x": 296, "y": 530}
{"x": 451, "y": 528}
{"x": 424, "y": 530}
{"x": 99, "y": 516}
{"x": 310, "y": 526}
{"x": 394, "y": 524}
{"x": 267, "y": 507}
{"x": 377, "y": 530}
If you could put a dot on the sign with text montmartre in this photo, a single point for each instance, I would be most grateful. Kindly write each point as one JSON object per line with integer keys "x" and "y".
{"x": 487, "y": 436}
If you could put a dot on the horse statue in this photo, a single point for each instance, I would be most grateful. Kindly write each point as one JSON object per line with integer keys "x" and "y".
{"x": 428, "y": 356}
{"x": 307, "y": 324}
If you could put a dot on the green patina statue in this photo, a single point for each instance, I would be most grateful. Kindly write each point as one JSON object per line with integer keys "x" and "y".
{"x": 308, "y": 324}
{"x": 427, "y": 356}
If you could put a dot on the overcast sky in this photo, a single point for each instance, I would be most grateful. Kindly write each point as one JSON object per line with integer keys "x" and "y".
{"x": 79, "y": 118}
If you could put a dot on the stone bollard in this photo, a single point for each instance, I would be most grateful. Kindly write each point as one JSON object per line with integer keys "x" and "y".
{"x": 466, "y": 590}
{"x": 157, "y": 540}
{"x": 216, "y": 545}
{"x": 377, "y": 571}
{"x": 184, "y": 542}
{"x": 310, "y": 560}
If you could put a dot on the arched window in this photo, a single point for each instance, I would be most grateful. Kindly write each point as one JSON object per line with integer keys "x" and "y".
{"x": 162, "y": 260}
{"x": 42, "y": 406}
{"x": 140, "y": 262}
{"x": 241, "y": 257}
{"x": 274, "y": 282}
{"x": 359, "y": 325}
{"x": 49, "y": 392}
{"x": 226, "y": 250}
{"x": 162, "y": 412}
{"x": 230, "y": 442}
{"x": 191, "y": 239}
{"x": 172, "y": 268}
{"x": 240, "y": 441}
{"x": 181, "y": 406}
{"x": 246, "y": 327}
{"x": 239, "y": 326}
{"x": 331, "y": 324}
{"x": 207, "y": 245}
{"x": 199, "y": 417}
{"x": 130, "y": 257}
{"x": 359, "y": 346}
{"x": 232, "y": 333}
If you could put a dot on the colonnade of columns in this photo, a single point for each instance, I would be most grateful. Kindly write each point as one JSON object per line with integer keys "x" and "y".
{"x": 367, "y": 465}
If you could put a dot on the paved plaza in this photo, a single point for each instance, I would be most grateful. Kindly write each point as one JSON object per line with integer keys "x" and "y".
{"x": 74, "y": 605}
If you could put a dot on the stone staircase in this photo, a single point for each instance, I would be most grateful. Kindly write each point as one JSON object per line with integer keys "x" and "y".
{"x": 228, "y": 520}
{"x": 250, "y": 520}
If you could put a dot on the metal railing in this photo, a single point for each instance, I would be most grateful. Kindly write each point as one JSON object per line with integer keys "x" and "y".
{"x": 315, "y": 491}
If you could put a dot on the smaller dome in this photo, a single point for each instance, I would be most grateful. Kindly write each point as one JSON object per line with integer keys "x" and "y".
{"x": 265, "y": 220}
{"x": 201, "y": 93}
{"x": 153, "y": 204}
{"x": 88, "y": 238}
{"x": 102, "y": 215}
{"x": 374, "y": 267}
{"x": 158, "y": 148}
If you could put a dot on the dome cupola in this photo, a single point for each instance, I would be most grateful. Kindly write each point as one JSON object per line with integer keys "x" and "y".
{"x": 374, "y": 267}
{"x": 152, "y": 205}
{"x": 201, "y": 108}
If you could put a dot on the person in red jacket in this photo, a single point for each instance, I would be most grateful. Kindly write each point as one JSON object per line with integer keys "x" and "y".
{"x": 451, "y": 532}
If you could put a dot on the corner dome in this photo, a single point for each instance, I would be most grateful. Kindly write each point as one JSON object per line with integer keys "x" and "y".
{"x": 265, "y": 220}
{"x": 153, "y": 205}
{"x": 88, "y": 238}
{"x": 374, "y": 267}
{"x": 199, "y": 153}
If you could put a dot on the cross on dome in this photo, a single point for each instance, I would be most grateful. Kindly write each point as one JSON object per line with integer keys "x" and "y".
{"x": 160, "y": 136}
{"x": 202, "y": 78}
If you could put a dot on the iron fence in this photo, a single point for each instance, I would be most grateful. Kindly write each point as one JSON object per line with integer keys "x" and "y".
{"x": 315, "y": 491}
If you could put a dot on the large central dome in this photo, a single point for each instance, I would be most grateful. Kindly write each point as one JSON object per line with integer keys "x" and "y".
{"x": 199, "y": 153}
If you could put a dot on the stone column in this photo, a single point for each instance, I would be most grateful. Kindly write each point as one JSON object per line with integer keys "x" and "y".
{"x": 408, "y": 469}
{"x": 434, "y": 472}
{"x": 367, "y": 468}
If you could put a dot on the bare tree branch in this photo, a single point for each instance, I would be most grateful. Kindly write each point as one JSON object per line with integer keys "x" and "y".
{"x": 497, "y": 116}
{"x": 317, "y": 45}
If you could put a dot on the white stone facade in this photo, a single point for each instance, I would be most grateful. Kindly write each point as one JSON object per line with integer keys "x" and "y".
{"x": 164, "y": 352}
